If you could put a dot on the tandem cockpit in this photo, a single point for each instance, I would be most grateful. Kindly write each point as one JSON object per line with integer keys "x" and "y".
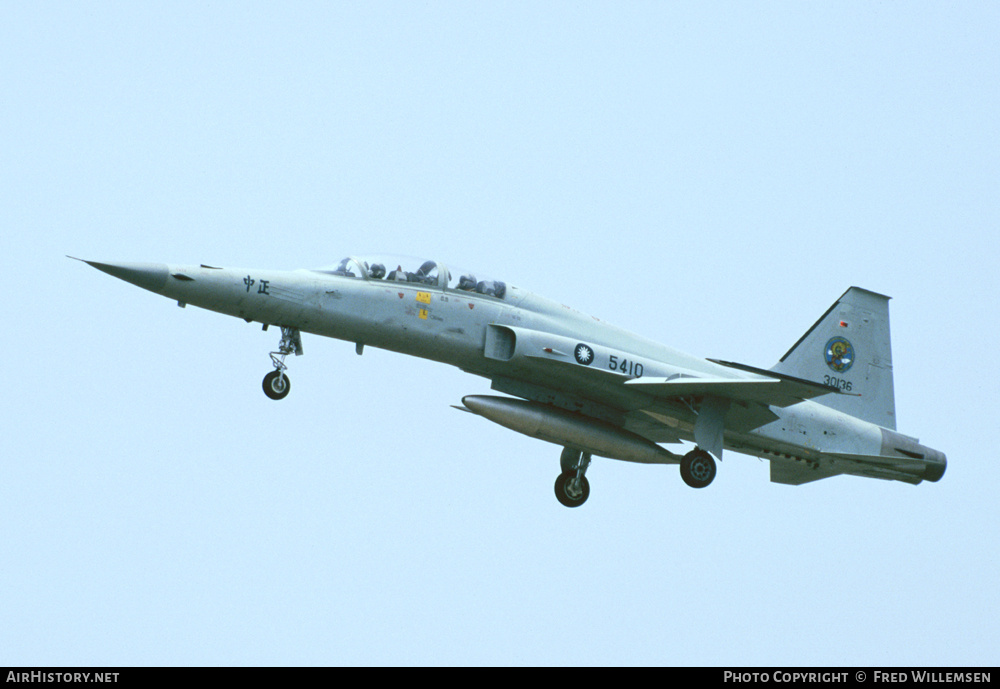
{"x": 417, "y": 272}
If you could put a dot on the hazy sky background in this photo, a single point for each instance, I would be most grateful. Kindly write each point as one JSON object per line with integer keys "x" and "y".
{"x": 709, "y": 175}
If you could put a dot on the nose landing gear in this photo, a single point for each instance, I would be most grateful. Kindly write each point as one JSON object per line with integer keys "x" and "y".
{"x": 572, "y": 488}
{"x": 276, "y": 384}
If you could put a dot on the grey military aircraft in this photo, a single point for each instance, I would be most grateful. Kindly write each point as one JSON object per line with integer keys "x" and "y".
{"x": 826, "y": 408}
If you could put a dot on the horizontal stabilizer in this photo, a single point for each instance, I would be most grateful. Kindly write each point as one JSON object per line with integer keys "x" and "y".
{"x": 794, "y": 473}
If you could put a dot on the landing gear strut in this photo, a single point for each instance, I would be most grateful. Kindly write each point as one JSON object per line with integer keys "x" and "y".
{"x": 572, "y": 488}
{"x": 697, "y": 468}
{"x": 276, "y": 383}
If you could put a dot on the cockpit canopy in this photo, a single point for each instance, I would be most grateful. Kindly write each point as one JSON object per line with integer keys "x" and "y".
{"x": 415, "y": 271}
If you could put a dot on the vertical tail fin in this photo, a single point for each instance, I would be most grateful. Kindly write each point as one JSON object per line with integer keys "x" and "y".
{"x": 849, "y": 347}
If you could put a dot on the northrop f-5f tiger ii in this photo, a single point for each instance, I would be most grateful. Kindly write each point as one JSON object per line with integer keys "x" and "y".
{"x": 825, "y": 409}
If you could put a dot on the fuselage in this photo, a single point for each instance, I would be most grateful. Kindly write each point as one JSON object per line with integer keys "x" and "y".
{"x": 527, "y": 345}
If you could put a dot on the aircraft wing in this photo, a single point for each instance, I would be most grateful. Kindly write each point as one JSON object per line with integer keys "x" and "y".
{"x": 738, "y": 404}
{"x": 742, "y": 401}
{"x": 765, "y": 387}
{"x": 773, "y": 390}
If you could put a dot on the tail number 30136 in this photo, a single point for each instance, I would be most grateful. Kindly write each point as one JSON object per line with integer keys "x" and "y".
{"x": 844, "y": 385}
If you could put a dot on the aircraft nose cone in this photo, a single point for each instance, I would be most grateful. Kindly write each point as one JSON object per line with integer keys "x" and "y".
{"x": 151, "y": 276}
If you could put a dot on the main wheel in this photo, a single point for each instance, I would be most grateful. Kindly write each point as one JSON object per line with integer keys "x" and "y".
{"x": 697, "y": 468}
{"x": 569, "y": 492}
{"x": 277, "y": 385}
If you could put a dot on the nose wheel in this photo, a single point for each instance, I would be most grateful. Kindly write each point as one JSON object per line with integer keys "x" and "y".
{"x": 572, "y": 488}
{"x": 276, "y": 384}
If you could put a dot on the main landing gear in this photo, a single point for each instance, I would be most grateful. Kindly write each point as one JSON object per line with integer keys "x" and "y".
{"x": 276, "y": 383}
{"x": 572, "y": 488}
{"x": 697, "y": 468}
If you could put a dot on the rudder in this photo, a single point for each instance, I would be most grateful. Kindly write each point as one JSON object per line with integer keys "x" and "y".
{"x": 849, "y": 347}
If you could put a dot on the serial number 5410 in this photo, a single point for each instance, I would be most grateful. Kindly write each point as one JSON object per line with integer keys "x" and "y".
{"x": 629, "y": 368}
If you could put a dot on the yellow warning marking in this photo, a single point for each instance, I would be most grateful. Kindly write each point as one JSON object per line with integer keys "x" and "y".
{"x": 423, "y": 314}
{"x": 424, "y": 297}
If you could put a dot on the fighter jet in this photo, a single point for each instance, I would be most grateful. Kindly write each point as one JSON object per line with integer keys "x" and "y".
{"x": 826, "y": 408}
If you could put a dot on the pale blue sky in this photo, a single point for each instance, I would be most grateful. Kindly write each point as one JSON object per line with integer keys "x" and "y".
{"x": 709, "y": 175}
